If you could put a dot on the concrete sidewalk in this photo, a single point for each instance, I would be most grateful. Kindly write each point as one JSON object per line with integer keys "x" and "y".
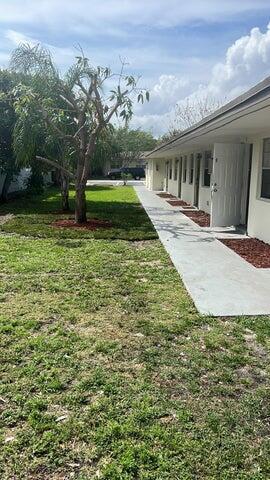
{"x": 219, "y": 281}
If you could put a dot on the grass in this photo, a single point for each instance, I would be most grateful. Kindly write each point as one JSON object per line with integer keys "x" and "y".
{"x": 107, "y": 369}
{"x": 33, "y": 217}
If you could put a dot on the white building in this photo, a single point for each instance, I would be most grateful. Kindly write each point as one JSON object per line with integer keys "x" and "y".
{"x": 222, "y": 164}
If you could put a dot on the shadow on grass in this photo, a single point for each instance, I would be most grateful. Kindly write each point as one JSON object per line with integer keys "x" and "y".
{"x": 34, "y": 215}
{"x": 50, "y": 201}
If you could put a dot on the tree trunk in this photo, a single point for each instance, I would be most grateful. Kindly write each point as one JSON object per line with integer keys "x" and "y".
{"x": 6, "y": 185}
{"x": 80, "y": 205}
{"x": 65, "y": 193}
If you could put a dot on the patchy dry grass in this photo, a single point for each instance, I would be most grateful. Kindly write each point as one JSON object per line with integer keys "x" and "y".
{"x": 107, "y": 370}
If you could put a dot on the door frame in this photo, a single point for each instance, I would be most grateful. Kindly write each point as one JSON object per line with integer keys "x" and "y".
{"x": 166, "y": 175}
{"x": 197, "y": 179}
{"x": 221, "y": 195}
{"x": 180, "y": 170}
{"x": 250, "y": 159}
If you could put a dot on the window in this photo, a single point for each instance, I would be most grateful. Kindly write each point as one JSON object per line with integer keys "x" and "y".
{"x": 191, "y": 169}
{"x": 170, "y": 170}
{"x": 176, "y": 162}
{"x": 185, "y": 169}
{"x": 265, "y": 186}
{"x": 207, "y": 169}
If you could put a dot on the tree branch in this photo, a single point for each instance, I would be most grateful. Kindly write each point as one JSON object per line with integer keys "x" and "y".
{"x": 112, "y": 112}
{"x": 66, "y": 100}
{"x": 79, "y": 130}
{"x": 98, "y": 104}
{"x": 56, "y": 165}
{"x": 56, "y": 129}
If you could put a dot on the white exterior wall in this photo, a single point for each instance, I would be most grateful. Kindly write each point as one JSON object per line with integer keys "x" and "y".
{"x": 204, "y": 198}
{"x": 158, "y": 175}
{"x": 154, "y": 175}
{"x": 259, "y": 209}
{"x": 148, "y": 174}
{"x": 173, "y": 184}
{"x": 156, "y": 180}
{"x": 187, "y": 193}
{"x": 173, "y": 187}
{"x": 188, "y": 190}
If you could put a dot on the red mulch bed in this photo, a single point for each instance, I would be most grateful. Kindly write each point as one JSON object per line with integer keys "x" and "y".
{"x": 252, "y": 250}
{"x": 165, "y": 195}
{"x": 198, "y": 216}
{"x": 178, "y": 203}
{"x": 92, "y": 224}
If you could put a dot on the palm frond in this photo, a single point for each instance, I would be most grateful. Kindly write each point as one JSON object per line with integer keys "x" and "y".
{"x": 29, "y": 59}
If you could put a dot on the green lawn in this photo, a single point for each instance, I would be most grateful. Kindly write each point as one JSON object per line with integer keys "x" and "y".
{"x": 34, "y": 216}
{"x": 108, "y": 371}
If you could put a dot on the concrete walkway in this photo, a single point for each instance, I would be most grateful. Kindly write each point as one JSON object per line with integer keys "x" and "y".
{"x": 219, "y": 281}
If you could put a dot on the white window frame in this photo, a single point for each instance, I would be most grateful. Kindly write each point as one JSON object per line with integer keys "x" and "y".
{"x": 203, "y": 169}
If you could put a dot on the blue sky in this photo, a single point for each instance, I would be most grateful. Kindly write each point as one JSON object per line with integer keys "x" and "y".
{"x": 180, "y": 48}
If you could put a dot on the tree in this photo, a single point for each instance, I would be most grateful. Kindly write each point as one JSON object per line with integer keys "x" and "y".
{"x": 8, "y": 165}
{"x": 132, "y": 143}
{"x": 106, "y": 150}
{"x": 189, "y": 112}
{"x": 89, "y": 107}
{"x": 34, "y": 139}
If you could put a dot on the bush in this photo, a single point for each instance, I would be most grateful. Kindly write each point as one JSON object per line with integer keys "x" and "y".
{"x": 126, "y": 177}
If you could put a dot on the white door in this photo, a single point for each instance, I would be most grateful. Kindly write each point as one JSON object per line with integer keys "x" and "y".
{"x": 226, "y": 184}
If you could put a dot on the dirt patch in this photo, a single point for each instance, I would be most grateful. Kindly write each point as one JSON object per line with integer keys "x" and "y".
{"x": 178, "y": 203}
{"x": 92, "y": 224}
{"x": 252, "y": 250}
{"x": 198, "y": 216}
{"x": 165, "y": 195}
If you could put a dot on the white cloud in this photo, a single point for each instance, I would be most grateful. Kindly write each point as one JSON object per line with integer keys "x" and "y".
{"x": 16, "y": 38}
{"x": 62, "y": 56}
{"x": 164, "y": 93}
{"x": 246, "y": 62}
{"x": 171, "y": 76}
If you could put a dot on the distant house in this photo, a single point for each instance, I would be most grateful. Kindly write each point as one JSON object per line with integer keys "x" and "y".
{"x": 222, "y": 164}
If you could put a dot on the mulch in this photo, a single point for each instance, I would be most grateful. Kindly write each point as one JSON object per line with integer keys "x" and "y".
{"x": 252, "y": 250}
{"x": 165, "y": 195}
{"x": 178, "y": 203}
{"x": 91, "y": 224}
{"x": 198, "y": 216}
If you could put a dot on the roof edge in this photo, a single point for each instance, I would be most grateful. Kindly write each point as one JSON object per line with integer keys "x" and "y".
{"x": 248, "y": 95}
